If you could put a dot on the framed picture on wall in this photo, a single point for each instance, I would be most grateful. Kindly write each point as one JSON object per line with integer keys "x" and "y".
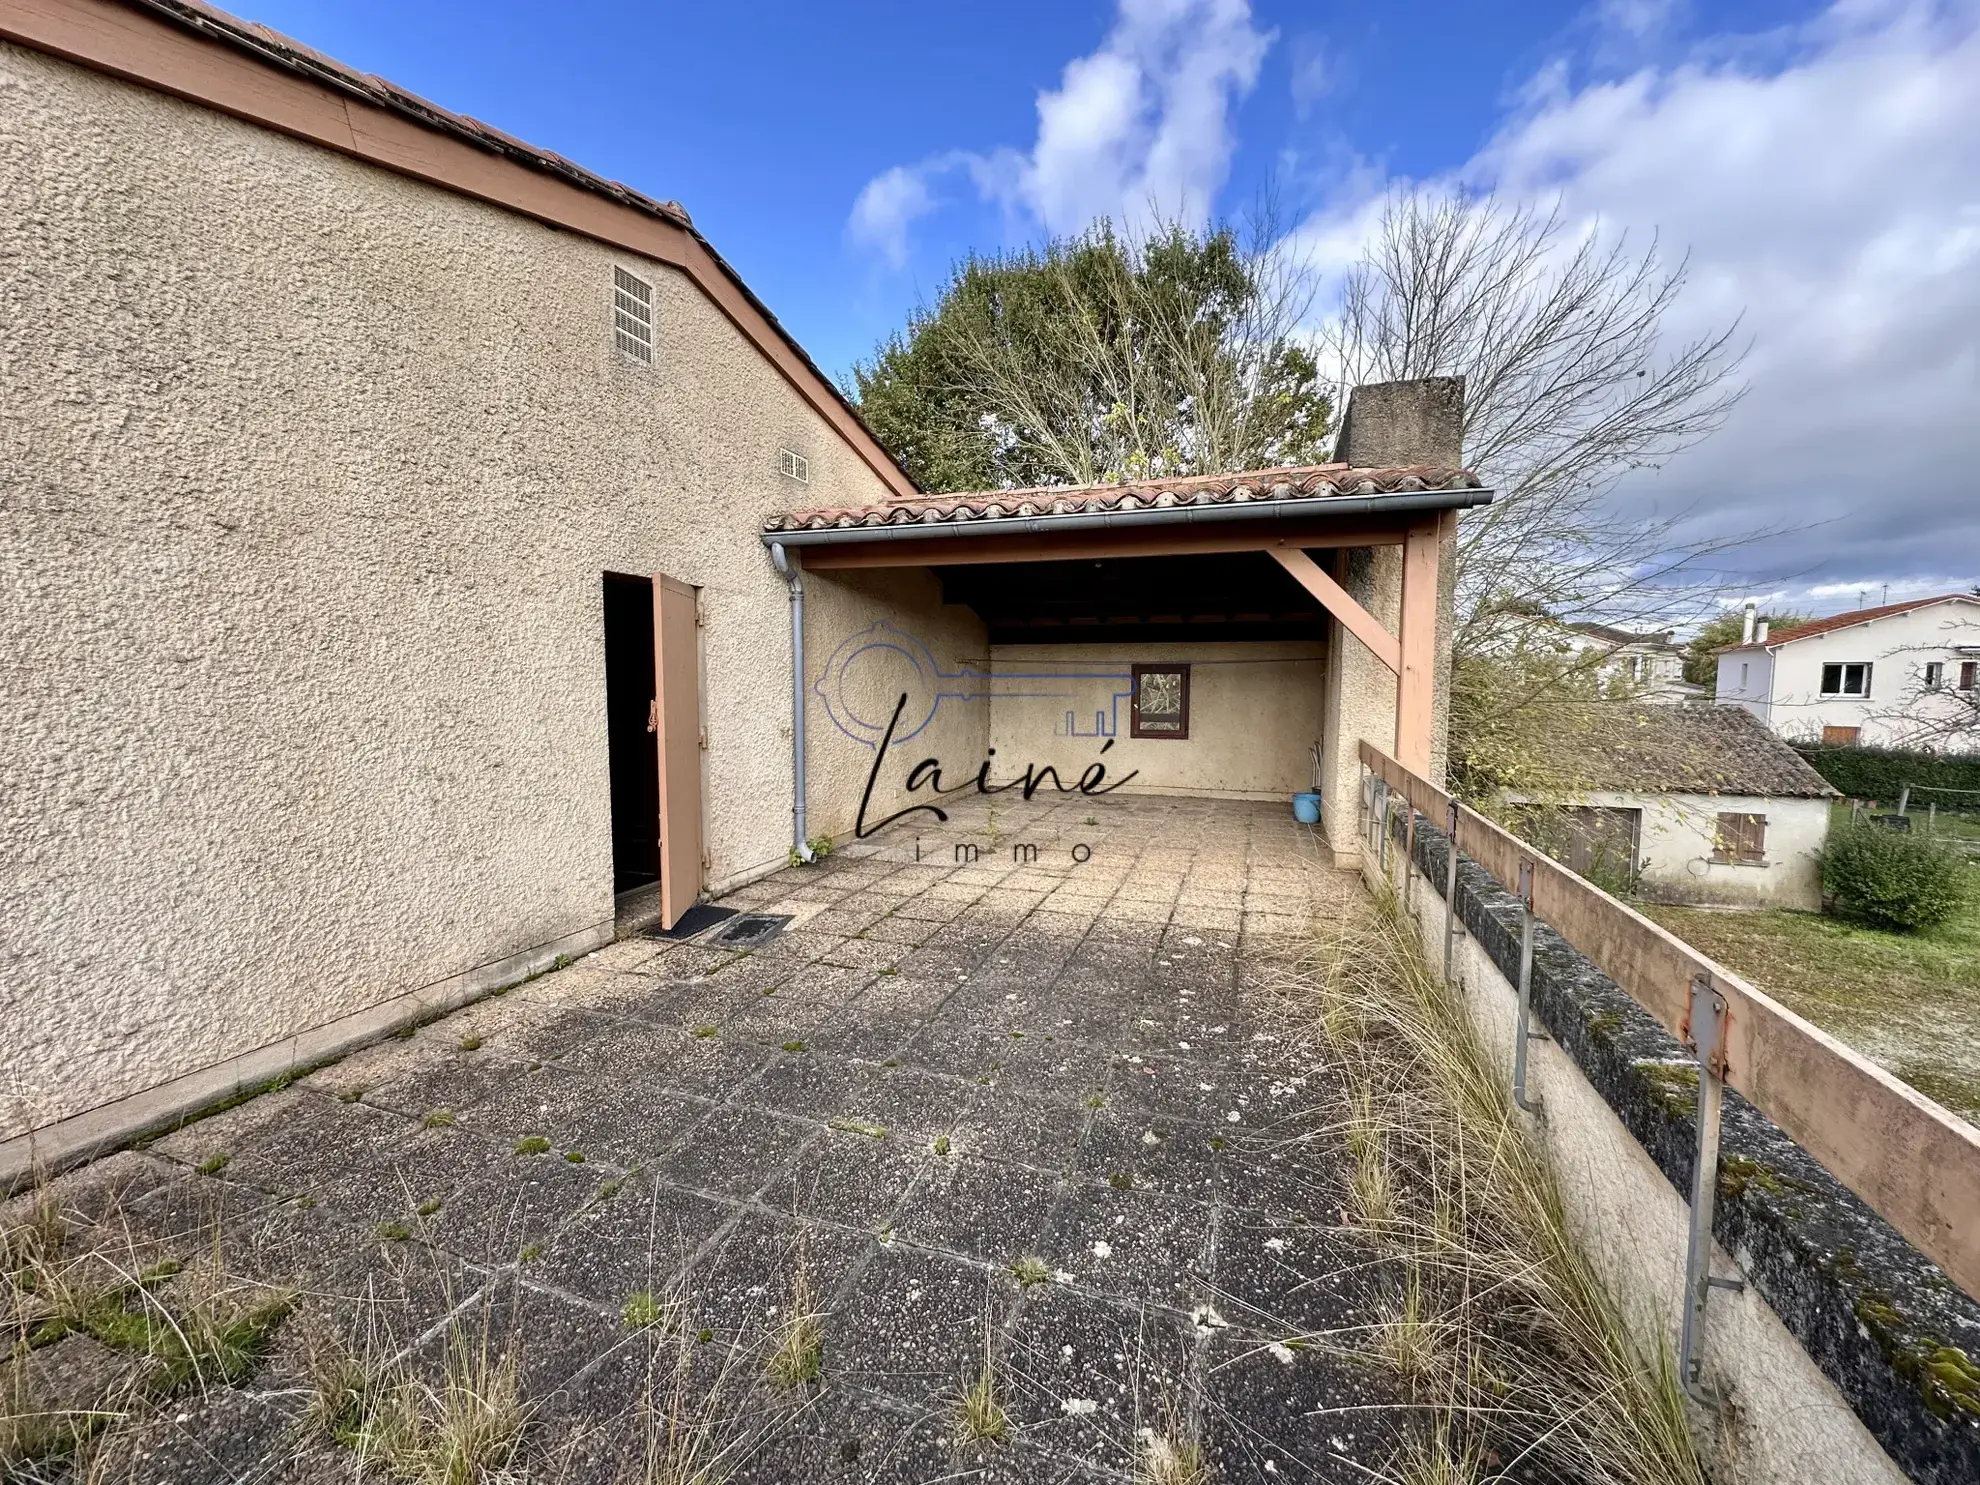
{"x": 1161, "y": 702}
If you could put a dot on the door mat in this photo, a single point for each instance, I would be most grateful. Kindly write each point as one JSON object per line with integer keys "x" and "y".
{"x": 750, "y": 931}
{"x": 697, "y": 919}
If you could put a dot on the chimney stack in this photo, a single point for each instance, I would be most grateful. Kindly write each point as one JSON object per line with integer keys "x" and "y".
{"x": 1393, "y": 424}
{"x": 1746, "y": 633}
{"x": 1760, "y": 634}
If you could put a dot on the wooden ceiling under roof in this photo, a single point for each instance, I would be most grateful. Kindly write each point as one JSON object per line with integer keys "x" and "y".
{"x": 1156, "y": 600}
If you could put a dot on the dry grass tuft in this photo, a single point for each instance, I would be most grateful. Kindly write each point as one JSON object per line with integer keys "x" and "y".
{"x": 1170, "y": 1459}
{"x": 799, "y": 1355}
{"x": 977, "y": 1414}
{"x": 1499, "y": 1325}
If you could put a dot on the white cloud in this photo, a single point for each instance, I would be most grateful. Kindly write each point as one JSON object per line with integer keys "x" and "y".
{"x": 886, "y": 208}
{"x": 1827, "y": 187}
{"x": 1312, "y": 72}
{"x": 1140, "y": 124}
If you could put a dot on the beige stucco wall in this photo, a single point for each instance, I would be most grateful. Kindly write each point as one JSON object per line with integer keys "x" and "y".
{"x": 1254, "y": 710}
{"x": 308, "y": 474}
{"x": 872, "y": 637}
{"x": 1365, "y": 689}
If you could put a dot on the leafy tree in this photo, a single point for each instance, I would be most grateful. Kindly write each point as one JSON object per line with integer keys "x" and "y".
{"x": 1101, "y": 358}
{"x": 1701, "y": 661}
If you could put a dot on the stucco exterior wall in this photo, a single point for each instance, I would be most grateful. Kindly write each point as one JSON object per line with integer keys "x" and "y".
{"x": 1365, "y": 693}
{"x": 1254, "y": 710}
{"x": 1676, "y": 850}
{"x": 1677, "y": 833}
{"x": 872, "y": 637}
{"x": 310, "y": 474}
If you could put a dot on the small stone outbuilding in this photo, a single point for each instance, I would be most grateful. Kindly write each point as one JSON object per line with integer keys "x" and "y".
{"x": 1684, "y": 804}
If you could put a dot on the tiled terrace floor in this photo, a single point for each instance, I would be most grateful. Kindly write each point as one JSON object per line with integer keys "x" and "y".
{"x": 936, "y": 1069}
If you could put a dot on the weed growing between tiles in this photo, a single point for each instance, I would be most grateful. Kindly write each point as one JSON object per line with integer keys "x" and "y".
{"x": 1512, "y": 1354}
{"x": 98, "y": 1327}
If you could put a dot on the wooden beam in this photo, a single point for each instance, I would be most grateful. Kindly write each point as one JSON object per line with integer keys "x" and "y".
{"x": 1071, "y": 546}
{"x": 1340, "y": 603}
{"x": 1416, "y": 692}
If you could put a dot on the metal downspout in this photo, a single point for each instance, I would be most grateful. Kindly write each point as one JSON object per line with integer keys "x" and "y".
{"x": 794, "y": 575}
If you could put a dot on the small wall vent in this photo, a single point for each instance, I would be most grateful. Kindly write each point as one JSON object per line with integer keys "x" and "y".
{"x": 632, "y": 315}
{"x": 794, "y": 466}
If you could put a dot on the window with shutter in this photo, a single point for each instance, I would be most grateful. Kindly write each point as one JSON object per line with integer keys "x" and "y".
{"x": 1741, "y": 839}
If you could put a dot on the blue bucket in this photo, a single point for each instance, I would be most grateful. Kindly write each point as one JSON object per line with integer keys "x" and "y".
{"x": 1306, "y": 808}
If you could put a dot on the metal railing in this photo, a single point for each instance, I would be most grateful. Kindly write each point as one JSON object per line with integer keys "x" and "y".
{"x": 1916, "y": 1164}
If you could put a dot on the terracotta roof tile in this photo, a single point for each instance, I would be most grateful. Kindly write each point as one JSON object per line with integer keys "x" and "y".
{"x": 1302, "y": 482}
{"x": 1842, "y": 621}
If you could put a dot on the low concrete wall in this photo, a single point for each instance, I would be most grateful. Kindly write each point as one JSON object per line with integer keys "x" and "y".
{"x": 1824, "y": 1361}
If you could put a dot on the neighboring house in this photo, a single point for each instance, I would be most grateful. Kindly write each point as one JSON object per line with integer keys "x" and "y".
{"x": 1899, "y": 675}
{"x": 1691, "y": 804}
{"x": 1650, "y": 666}
{"x": 409, "y": 537}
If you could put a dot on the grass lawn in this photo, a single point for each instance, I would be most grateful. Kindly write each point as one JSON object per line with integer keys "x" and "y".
{"x": 1910, "y": 1002}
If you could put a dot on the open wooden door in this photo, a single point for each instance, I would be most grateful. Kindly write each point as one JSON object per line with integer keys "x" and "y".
{"x": 677, "y": 708}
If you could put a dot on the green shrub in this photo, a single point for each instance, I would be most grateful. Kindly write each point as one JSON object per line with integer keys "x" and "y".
{"x": 1894, "y": 880}
{"x": 1882, "y": 773}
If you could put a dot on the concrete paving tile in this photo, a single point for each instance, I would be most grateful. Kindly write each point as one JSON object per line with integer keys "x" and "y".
{"x": 1315, "y": 1418}
{"x": 450, "y": 1082}
{"x": 982, "y": 1209}
{"x": 1133, "y": 1245}
{"x": 868, "y": 1030}
{"x": 735, "y": 1151}
{"x": 911, "y": 1325}
{"x": 1286, "y": 1278}
{"x": 1070, "y": 1349}
{"x": 220, "y": 1433}
{"x": 550, "y": 1337}
{"x": 1020, "y": 1128}
{"x": 626, "y": 1123}
{"x": 636, "y": 1240}
{"x": 850, "y": 1177}
{"x": 704, "y": 1066}
{"x": 1151, "y": 1153}
{"x": 526, "y": 1200}
{"x": 743, "y": 1280}
{"x": 808, "y": 1085}
{"x": 865, "y": 953}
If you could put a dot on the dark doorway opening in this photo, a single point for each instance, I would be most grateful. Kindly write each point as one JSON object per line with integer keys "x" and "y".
{"x": 634, "y": 748}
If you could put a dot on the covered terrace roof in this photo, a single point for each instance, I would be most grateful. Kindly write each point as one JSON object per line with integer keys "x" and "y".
{"x": 1312, "y": 489}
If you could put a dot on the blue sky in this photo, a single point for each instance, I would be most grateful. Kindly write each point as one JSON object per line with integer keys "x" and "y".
{"x": 1818, "y": 162}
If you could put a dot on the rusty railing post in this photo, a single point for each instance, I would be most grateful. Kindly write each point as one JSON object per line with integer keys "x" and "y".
{"x": 1707, "y": 1025}
{"x": 1409, "y": 853}
{"x": 1450, "y": 885}
{"x": 1521, "y": 1032}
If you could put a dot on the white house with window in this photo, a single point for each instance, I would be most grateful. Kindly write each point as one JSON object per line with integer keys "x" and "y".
{"x": 1900, "y": 675}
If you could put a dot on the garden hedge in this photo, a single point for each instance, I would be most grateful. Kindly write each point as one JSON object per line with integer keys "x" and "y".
{"x": 1881, "y": 773}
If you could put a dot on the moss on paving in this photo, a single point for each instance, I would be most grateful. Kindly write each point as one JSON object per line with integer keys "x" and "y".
{"x": 1909, "y": 1001}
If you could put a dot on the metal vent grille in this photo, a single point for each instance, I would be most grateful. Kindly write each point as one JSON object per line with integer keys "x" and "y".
{"x": 794, "y": 465}
{"x": 632, "y": 315}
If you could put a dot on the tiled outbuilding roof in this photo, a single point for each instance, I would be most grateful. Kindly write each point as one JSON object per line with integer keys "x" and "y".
{"x": 1302, "y": 482}
{"x": 1681, "y": 749}
{"x": 1843, "y": 621}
